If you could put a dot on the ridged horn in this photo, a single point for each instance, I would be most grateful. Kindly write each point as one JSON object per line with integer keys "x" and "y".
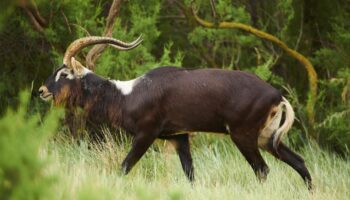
{"x": 81, "y": 43}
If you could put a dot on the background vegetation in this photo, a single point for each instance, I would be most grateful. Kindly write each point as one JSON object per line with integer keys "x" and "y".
{"x": 29, "y": 52}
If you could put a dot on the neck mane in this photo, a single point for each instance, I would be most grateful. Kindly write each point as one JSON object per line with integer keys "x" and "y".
{"x": 101, "y": 100}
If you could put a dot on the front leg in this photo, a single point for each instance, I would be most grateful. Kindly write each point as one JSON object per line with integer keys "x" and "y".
{"x": 75, "y": 119}
{"x": 142, "y": 141}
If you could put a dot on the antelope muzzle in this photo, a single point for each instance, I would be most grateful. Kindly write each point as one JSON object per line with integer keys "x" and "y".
{"x": 44, "y": 93}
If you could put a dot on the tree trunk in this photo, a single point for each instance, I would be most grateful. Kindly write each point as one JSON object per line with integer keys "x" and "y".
{"x": 97, "y": 50}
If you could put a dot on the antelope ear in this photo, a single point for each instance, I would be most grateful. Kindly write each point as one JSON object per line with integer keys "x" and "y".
{"x": 78, "y": 68}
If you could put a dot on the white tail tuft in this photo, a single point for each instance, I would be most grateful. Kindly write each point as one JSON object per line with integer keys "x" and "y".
{"x": 288, "y": 122}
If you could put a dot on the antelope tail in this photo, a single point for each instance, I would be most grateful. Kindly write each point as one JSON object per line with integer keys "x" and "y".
{"x": 287, "y": 124}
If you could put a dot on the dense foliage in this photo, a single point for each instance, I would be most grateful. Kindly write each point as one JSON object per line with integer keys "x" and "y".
{"x": 23, "y": 172}
{"x": 319, "y": 29}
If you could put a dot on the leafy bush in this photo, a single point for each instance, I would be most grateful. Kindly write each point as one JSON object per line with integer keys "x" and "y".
{"x": 22, "y": 170}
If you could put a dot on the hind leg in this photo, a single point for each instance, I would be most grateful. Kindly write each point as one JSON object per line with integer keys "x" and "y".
{"x": 248, "y": 146}
{"x": 292, "y": 159}
{"x": 182, "y": 146}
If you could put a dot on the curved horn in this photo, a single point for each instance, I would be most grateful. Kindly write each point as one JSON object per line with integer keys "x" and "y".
{"x": 81, "y": 43}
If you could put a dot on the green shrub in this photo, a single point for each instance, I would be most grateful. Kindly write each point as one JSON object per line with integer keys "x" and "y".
{"x": 22, "y": 170}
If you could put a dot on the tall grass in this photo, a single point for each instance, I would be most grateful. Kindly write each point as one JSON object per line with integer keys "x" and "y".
{"x": 32, "y": 166}
{"x": 92, "y": 171}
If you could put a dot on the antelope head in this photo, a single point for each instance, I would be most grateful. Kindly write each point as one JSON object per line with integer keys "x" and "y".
{"x": 66, "y": 80}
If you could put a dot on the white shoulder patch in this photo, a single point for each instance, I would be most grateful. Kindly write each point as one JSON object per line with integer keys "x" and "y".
{"x": 126, "y": 87}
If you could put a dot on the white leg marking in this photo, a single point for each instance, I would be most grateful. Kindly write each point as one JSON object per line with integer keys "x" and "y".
{"x": 227, "y": 128}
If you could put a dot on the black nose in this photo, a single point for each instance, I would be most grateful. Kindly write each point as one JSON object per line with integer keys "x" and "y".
{"x": 41, "y": 90}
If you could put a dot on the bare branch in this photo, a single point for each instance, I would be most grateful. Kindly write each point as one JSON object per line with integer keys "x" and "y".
{"x": 212, "y": 5}
{"x": 67, "y": 22}
{"x": 37, "y": 26}
{"x": 97, "y": 50}
{"x": 80, "y": 27}
{"x": 32, "y": 11}
{"x": 301, "y": 30}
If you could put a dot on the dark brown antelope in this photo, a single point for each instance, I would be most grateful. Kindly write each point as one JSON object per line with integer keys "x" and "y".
{"x": 170, "y": 102}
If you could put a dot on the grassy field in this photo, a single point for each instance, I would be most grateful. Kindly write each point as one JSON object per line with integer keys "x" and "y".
{"x": 84, "y": 172}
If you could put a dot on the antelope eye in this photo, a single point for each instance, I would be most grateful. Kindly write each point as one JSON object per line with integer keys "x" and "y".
{"x": 63, "y": 75}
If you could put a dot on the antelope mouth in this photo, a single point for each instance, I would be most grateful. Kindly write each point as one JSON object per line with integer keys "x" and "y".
{"x": 46, "y": 97}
